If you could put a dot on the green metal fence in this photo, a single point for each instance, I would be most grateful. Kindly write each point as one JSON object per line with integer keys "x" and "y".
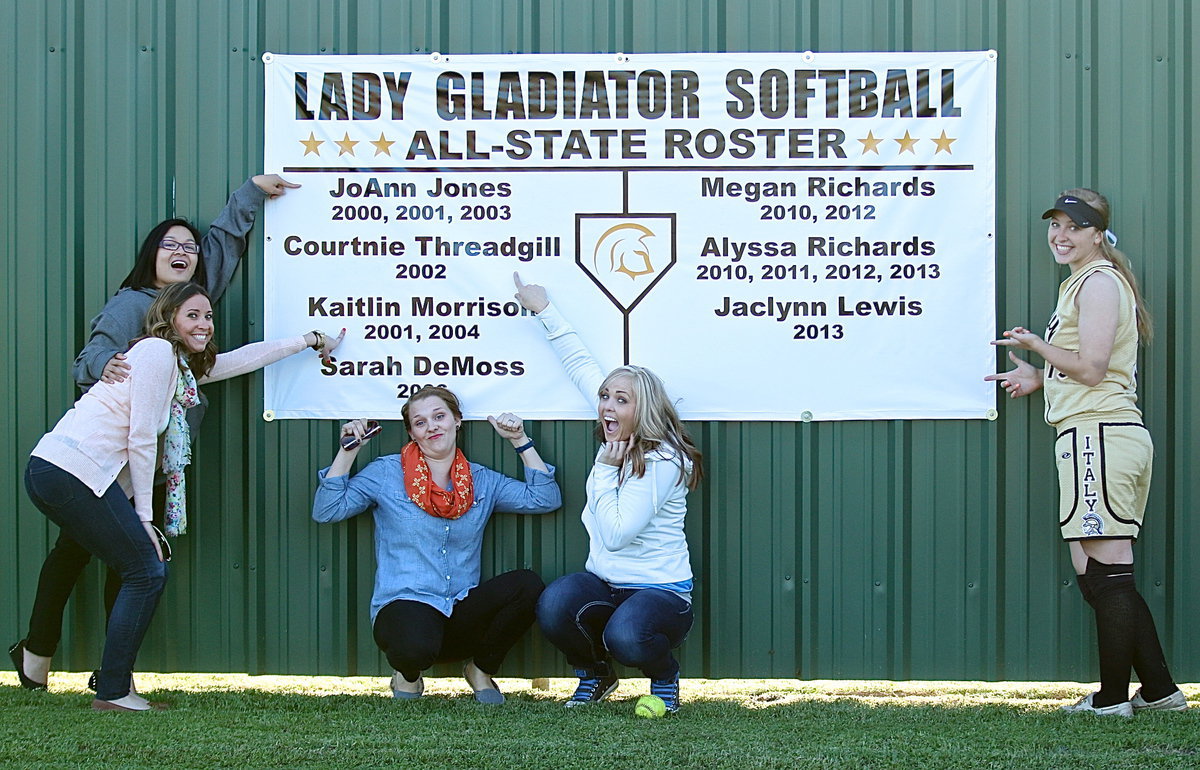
{"x": 857, "y": 549}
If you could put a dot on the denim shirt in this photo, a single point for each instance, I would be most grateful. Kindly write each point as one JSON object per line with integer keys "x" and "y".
{"x": 418, "y": 556}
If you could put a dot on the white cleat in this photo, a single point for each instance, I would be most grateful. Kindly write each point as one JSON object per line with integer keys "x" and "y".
{"x": 1176, "y": 701}
{"x": 1084, "y": 706}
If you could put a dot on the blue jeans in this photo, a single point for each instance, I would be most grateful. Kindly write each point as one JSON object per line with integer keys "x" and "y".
{"x": 60, "y": 572}
{"x": 589, "y": 620}
{"x": 110, "y": 530}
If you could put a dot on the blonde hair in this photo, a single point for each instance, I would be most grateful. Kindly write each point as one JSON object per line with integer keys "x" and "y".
{"x": 655, "y": 423}
{"x": 1145, "y": 324}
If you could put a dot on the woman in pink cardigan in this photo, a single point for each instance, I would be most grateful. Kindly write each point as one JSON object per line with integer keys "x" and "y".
{"x": 103, "y": 451}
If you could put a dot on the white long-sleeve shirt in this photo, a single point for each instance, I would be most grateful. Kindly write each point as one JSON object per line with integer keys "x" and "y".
{"x": 111, "y": 434}
{"x": 635, "y": 526}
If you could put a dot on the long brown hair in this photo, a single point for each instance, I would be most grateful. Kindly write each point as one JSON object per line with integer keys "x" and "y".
{"x": 1145, "y": 324}
{"x": 160, "y": 322}
{"x": 655, "y": 423}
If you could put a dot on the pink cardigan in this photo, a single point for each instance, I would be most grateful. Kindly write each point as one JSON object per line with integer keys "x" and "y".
{"x": 111, "y": 434}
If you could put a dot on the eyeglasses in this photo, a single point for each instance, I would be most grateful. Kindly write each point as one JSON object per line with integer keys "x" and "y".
{"x": 170, "y": 244}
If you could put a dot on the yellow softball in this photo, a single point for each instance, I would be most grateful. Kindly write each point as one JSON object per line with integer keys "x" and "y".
{"x": 650, "y": 707}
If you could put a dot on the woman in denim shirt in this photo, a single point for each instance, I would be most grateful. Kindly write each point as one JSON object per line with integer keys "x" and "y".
{"x": 430, "y": 507}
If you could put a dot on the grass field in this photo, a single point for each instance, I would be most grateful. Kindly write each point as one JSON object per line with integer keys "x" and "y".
{"x": 225, "y": 720}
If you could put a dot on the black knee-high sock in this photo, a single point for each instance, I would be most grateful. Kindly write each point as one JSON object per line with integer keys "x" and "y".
{"x": 1125, "y": 634}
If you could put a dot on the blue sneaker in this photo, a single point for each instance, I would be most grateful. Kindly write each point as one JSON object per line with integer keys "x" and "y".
{"x": 592, "y": 687}
{"x": 668, "y": 690}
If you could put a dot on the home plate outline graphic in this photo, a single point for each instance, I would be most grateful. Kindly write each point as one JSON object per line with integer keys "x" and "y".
{"x": 625, "y": 255}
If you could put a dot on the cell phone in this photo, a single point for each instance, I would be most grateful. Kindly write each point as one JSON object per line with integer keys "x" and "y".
{"x": 373, "y": 430}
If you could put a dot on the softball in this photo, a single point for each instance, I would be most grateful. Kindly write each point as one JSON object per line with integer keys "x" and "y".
{"x": 650, "y": 707}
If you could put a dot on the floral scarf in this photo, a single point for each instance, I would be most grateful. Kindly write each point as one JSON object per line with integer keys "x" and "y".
{"x": 429, "y": 497}
{"x": 177, "y": 448}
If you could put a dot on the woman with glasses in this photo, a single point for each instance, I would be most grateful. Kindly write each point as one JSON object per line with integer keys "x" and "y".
{"x": 172, "y": 252}
{"x": 91, "y": 474}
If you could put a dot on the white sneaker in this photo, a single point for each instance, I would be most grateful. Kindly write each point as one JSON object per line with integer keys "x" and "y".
{"x": 1176, "y": 701}
{"x": 1084, "y": 706}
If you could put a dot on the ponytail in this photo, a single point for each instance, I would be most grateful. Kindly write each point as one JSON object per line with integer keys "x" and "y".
{"x": 1145, "y": 325}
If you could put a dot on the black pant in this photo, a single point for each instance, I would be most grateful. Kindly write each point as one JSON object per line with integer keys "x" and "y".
{"x": 484, "y": 626}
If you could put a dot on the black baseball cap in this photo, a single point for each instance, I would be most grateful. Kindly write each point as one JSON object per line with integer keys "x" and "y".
{"x": 1079, "y": 212}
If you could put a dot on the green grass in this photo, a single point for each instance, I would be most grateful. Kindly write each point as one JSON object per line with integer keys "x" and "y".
{"x": 225, "y": 720}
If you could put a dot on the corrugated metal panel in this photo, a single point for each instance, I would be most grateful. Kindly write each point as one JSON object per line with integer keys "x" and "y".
{"x": 892, "y": 550}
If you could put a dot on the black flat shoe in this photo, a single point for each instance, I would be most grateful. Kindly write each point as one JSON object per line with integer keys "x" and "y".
{"x": 92, "y": 681}
{"x": 17, "y": 653}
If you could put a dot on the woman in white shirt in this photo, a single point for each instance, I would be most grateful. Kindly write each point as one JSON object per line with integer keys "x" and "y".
{"x": 633, "y": 601}
{"x": 103, "y": 451}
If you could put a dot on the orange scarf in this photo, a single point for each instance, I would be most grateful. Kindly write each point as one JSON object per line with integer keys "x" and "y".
{"x": 429, "y": 497}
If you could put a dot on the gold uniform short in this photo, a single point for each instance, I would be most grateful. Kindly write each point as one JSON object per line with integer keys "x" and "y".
{"x": 1103, "y": 478}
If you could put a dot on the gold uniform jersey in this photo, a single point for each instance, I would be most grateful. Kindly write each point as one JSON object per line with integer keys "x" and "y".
{"x": 1116, "y": 394}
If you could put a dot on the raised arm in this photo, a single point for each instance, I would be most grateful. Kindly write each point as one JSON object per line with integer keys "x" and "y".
{"x": 339, "y": 495}
{"x": 256, "y": 355}
{"x": 511, "y": 427}
{"x": 539, "y": 492}
{"x": 576, "y": 359}
{"x": 225, "y": 242}
{"x": 343, "y": 461}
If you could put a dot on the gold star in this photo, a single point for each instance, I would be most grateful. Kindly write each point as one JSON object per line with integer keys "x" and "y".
{"x": 943, "y": 143}
{"x": 870, "y": 144}
{"x": 906, "y": 143}
{"x": 312, "y": 144}
{"x": 347, "y": 144}
{"x": 383, "y": 146}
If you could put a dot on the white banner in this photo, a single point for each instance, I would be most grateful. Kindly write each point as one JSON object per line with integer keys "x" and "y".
{"x": 783, "y": 236}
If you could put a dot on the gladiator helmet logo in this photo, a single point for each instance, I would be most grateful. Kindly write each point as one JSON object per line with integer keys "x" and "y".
{"x": 625, "y": 254}
{"x": 622, "y": 248}
{"x": 1093, "y": 525}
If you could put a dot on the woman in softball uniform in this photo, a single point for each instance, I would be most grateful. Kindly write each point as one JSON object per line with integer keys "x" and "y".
{"x": 1102, "y": 450}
